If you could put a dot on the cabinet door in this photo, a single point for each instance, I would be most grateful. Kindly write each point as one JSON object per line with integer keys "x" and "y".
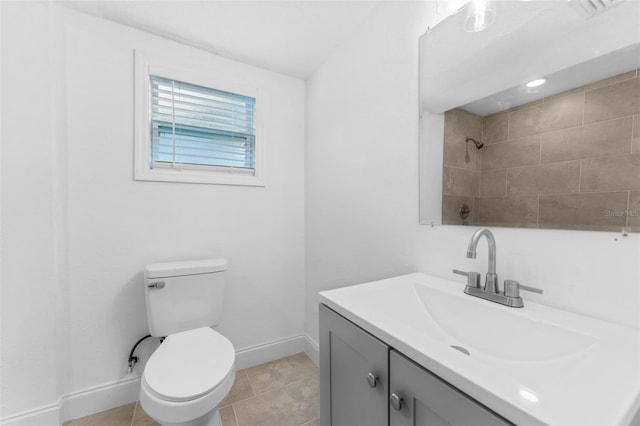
{"x": 427, "y": 400}
{"x": 348, "y": 354}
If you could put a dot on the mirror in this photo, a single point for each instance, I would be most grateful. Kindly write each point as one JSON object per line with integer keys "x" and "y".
{"x": 562, "y": 155}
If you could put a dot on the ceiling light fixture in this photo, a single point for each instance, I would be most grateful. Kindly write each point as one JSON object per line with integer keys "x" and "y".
{"x": 537, "y": 82}
{"x": 480, "y": 13}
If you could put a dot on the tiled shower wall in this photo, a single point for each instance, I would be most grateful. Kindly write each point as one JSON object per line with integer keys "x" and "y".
{"x": 461, "y": 167}
{"x": 570, "y": 161}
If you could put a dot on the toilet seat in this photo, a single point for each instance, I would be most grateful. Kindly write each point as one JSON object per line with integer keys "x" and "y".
{"x": 189, "y": 365}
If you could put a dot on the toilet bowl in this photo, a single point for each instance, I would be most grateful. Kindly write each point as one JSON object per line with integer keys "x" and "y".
{"x": 188, "y": 377}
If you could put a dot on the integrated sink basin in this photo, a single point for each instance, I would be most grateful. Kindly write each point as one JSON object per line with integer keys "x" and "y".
{"x": 494, "y": 331}
{"x": 534, "y": 365}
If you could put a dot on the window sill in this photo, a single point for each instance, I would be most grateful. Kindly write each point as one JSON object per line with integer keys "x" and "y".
{"x": 197, "y": 176}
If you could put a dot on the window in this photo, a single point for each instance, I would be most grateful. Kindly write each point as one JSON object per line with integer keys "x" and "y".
{"x": 189, "y": 132}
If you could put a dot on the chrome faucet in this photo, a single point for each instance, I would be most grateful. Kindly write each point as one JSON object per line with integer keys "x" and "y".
{"x": 491, "y": 281}
{"x": 511, "y": 294}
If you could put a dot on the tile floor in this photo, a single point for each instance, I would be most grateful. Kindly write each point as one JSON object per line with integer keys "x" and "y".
{"x": 284, "y": 392}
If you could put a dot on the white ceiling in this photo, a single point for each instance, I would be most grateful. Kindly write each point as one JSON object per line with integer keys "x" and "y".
{"x": 291, "y": 37}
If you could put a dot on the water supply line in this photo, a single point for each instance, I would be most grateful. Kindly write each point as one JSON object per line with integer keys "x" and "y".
{"x": 134, "y": 359}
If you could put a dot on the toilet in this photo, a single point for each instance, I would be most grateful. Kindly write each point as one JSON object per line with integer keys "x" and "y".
{"x": 191, "y": 373}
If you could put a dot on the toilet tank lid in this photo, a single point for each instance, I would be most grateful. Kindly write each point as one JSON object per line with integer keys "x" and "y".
{"x": 187, "y": 267}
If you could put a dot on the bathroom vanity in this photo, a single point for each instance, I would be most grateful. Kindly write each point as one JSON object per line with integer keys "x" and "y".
{"x": 415, "y": 350}
{"x": 415, "y": 396}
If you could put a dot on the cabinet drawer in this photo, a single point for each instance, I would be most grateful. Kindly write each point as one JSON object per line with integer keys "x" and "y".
{"x": 428, "y": 400}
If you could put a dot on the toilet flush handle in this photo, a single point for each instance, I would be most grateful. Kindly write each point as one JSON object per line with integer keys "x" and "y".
{"x": 157, "y": 284}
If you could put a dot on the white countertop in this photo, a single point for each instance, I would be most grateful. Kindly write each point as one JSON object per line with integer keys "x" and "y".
{"x": 533, "y": 365}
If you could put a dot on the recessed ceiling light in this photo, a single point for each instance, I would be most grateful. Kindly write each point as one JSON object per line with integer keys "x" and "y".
{"x": 536, "y": 83}
{"x": 528, "y": 395}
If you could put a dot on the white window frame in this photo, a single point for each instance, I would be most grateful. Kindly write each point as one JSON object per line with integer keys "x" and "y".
{"x": 144, "y": 67}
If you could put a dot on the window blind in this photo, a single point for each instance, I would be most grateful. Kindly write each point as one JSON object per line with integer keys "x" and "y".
{"x": 200, "y": 127}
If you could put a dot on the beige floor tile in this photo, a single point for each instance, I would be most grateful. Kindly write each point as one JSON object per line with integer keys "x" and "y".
{"x": 293, "y": 405}
{"x": 140, "y": 418}
{"x": 119, "y": 416}
{"x": 281, "y": 372}
{"x": 228, "y": 416}
{"x": 241, "y": 389}
{"x": 288, "y": 396}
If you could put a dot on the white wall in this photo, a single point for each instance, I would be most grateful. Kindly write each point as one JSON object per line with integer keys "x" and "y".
{"x": 29, "y": 216}
{"x": 361, "y": 166}
{"x": 78, "y": 230}
{"x": 362, "y": 190}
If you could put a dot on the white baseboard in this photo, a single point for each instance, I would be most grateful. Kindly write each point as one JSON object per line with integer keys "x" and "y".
{"x": 110, "y": 395}
{"x": 79, "y": 404}
{"x": 265, "y": 352}
{"x": 46, "y": 415}
{"x": 99, "y": 398}
{"x": 312, "y": 349}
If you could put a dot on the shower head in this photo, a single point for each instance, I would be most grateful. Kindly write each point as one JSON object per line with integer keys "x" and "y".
{"x": 478, "y": 144}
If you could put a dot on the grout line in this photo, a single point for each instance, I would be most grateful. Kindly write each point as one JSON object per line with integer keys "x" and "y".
{"x": 133, "y": 417}
{"x": 540, "y": 149}
{"x": 580, "y": 177}
{"x": 235, "y": 415}
{"x": 626, "y": 223}
{"x": 506, "y": 182}
{"x": 584, "y": 106}
{"x": 633, "y": 131}
{"x": 250, "y": 385}
{"x": 279, "y": 388}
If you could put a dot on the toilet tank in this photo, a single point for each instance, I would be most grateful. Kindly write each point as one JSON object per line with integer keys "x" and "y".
{"x": 181, "y": 296}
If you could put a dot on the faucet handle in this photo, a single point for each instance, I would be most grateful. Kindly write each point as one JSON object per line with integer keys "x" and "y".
{"x": 473, "y": 278}
{"x": 512, "y": 288}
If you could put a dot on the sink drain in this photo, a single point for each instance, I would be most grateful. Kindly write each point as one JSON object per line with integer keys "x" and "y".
{"x": 461, "y": 349}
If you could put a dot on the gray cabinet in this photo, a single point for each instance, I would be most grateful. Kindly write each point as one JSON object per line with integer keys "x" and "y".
{"x": 364, "y": 382}
{"x": 354, "y": 384}
{"x": 419, "y": 398}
